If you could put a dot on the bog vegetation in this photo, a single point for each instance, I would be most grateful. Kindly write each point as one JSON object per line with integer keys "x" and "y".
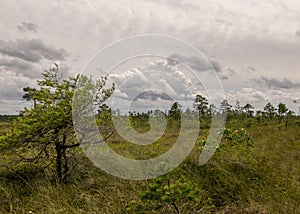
{"x": 256, "y": 168}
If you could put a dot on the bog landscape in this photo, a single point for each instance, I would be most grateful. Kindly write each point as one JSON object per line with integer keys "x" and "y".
{"x": 255, "y": 168}
{"x": 150, "y": 107}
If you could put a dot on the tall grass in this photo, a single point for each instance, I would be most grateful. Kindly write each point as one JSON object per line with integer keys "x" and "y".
{"x": 264, "y": 179}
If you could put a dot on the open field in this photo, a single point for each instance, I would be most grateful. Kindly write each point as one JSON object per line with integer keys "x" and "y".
{"x": 261, "y": 179}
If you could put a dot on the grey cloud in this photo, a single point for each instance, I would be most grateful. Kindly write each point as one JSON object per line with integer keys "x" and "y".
{"x": 28, "y": 26}
{"x": 201, "y": 64}
{"x": 226, "y": 73}
{"x": 223, "y": 22}
{"x": 11, "y": 86}
{"x": 216, "y": 65}
{"x": 274, "y": 83}
{"x": 29, "y": 69}
{"x": 298, "y": 33}
{"x": 250, "y": 69}
{"x": 176, "y": 5}
{"x": 15, "y": 64}
{"x": 20, "y": 67}
{"x": 194, "y": 62}
{"x": 151, "y": 95}
{"x": 32, "y": 50}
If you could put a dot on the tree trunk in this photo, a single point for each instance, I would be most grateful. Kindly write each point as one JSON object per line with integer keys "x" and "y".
{"x": 59, "y": 156}
{"x": 62, "y": 160}
{"x": 66, "y": 167}
{"x": 65, "y": 158}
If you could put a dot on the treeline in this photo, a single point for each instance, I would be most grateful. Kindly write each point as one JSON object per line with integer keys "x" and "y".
{"x": 269, "y": 111}
{"x": 202, "y": 108}
{"x": 7, "y": 118}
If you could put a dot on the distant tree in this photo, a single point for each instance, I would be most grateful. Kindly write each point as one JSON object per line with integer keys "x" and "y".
{"x": 212, "y": 109}
{"x": 46, "y": 131}
{"x": 249, "y": 110}
{"x": 188, "y": 113}
{"x": 259, "y": 115}
{"x": 201, "y": 105}
{"x": 175, "y": 111}
{"x": 282, "y": 110}
{"x": 238, "y": 108}
{"x": 270, "y": 110}
{"x": 7, "y": 118}
{"x": 104, "y": 114}
{"x": 226, "y": 107}
{"x": 158, "y": 113}
{"x": 288, "y": 116}
{"x": 139, "y": 118}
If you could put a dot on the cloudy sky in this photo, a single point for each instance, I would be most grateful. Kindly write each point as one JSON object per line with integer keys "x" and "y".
{"x": 253, "y": 45}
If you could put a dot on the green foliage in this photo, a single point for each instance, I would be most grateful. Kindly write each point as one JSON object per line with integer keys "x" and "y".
{"x": 169, "y": 194}
{"x": 45, "y": 132}
{"x": 238, "y": 137}
{"x": 235, "y": 143}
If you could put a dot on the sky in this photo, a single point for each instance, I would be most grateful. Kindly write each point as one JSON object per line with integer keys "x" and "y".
{"x": 254, "y": 46}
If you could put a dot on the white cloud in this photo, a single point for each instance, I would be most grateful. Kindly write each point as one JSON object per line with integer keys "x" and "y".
{"x": 259, "y": 98}
{"x": 237, "y": 34}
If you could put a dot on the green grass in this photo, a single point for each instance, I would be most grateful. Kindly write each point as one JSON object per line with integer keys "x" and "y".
{"x": 4, "y": 126}
{"x": 263, "y": 179}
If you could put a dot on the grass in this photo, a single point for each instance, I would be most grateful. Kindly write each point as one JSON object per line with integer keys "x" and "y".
{"x": 263, "y": 179}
